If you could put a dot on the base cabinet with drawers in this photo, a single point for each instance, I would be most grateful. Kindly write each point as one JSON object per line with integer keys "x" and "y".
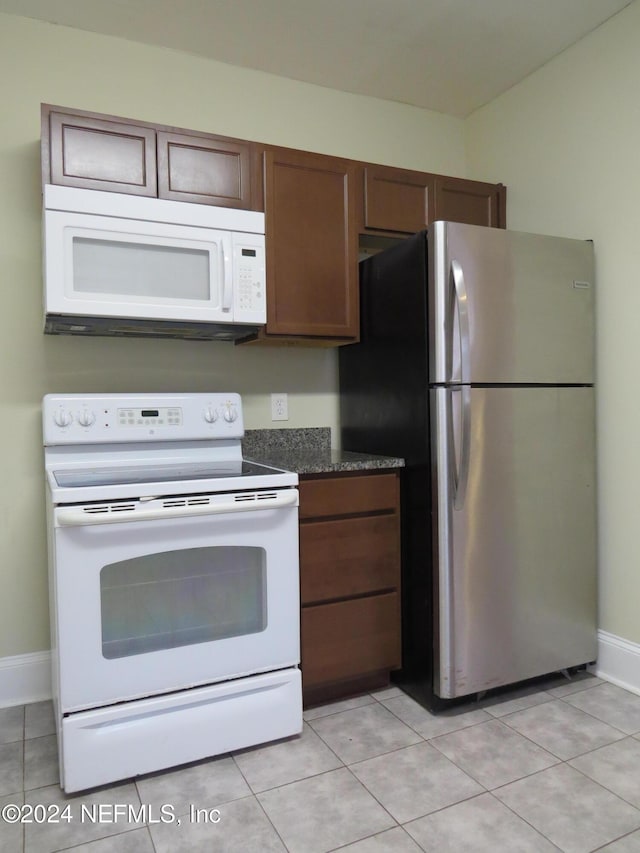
{"x": 349, "y": 583}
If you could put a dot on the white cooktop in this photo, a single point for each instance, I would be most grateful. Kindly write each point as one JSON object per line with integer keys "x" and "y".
{"x": 111, "y": 447}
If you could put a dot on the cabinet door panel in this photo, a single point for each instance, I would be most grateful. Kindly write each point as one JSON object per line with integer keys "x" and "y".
{"x": 472, "y": 202}
{"x": 349, "y": 639}
{"x": 204, "y": 169}
{"x": 348, "y": 557}
{"x": 397, "y": 199}
{"x": 348, "y": 495}
{"x": 100, "y": 154}
{"x": 311, "y": 245}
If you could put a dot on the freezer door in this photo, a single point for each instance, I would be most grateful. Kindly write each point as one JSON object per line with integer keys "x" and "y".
{"x": 509, "y": 307}
{"x": 514, "y": 534}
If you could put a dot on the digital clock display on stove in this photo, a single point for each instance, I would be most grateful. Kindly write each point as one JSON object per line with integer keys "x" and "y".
{"x": 170, "y": 416}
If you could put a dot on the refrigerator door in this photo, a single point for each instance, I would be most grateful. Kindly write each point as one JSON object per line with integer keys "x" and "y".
{"x": 514, "y": 534}
{"x": 509, "y": 307}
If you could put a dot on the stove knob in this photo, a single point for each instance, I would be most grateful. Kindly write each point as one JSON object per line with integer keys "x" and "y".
{"x": 210, "y": 415}
{"x": 230, "y": 413}
{"x": 62, "y": 418}
{"x": 86, "y": 418}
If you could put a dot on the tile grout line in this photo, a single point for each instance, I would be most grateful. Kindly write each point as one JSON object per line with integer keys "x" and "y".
{"x": 624, "y": 736}
{"x": 519, "y": 816}
{"x": 255, "y": 797}
{"x": 599, "y": 719}
{"x": 600, "y": 784}
{"x": 564, "y": 762}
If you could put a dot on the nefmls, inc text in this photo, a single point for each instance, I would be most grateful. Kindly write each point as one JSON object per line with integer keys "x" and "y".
{"x": 127, "y": 813}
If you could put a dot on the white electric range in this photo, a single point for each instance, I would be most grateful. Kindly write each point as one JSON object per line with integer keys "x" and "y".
{"x": 173, "y": 581}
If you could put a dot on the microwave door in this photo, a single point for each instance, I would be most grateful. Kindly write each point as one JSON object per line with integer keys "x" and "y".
{"x": 112, "y": 267}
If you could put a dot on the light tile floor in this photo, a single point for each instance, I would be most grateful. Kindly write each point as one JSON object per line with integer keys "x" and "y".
{"x": 546, "y": 768}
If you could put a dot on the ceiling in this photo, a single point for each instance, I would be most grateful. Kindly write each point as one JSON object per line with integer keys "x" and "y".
{"x": 451, "y": 56}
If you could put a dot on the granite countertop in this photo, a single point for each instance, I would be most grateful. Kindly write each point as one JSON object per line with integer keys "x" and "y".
{"x": 308, "y": 451}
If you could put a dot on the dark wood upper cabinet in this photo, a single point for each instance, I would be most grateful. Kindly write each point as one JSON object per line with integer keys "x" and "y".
{"x": 472, "y": 202}
{"x": 311, "y": 246}
{"x": 315, "y": 205}
{"x": 397, "y": 199}
{"x": 94, "y": 151}
{"x": 205, "y": 169}
{"x": 97, "y": 153}
{"x": 401, "y": 201}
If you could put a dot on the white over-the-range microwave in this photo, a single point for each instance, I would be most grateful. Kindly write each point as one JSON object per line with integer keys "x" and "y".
{"x": 116, "y": 264}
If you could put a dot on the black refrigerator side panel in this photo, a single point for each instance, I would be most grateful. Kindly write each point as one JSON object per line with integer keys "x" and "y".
{"x": 384, "y": 408}
{"x": 384, "y": 378}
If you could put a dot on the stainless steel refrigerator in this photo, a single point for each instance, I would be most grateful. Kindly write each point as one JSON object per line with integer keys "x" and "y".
{"x": 476, "y": 364}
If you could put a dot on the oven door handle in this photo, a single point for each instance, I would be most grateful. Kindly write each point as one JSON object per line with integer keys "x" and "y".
{"x": 74, "y": 516}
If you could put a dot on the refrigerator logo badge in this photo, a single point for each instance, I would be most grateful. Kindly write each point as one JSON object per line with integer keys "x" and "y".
{"x": 582, "y": 285}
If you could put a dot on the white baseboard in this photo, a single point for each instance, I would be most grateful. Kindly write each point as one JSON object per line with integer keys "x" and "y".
{"x": 25, "y": 678}
{"x": 618, "y": 661}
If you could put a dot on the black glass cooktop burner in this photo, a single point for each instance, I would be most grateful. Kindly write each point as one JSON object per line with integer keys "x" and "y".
{"x": 160, "y": 473}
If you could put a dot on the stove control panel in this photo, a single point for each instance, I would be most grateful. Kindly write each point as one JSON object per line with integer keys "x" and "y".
{"x": 100, "y": 418}
{"x": 160, "y": 416}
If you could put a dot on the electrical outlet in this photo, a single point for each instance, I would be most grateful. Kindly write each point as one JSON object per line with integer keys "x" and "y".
{"x": 279, "y": 407}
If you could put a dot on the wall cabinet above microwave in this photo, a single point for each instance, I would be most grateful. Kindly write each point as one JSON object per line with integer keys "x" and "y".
{"x": 321, "y": 212}
{"x": 100, "y": 152}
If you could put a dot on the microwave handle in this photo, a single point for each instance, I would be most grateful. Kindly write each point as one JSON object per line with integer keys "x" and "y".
{"x": 227, "y": 281}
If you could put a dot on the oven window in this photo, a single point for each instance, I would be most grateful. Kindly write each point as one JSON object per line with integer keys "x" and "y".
{"x": 180, "y": 598}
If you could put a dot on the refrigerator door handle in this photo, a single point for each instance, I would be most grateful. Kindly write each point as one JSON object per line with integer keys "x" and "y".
{"x": 465, "y": 452}
{"x": 460, "y": 292}
{"x": 460, "y": 473}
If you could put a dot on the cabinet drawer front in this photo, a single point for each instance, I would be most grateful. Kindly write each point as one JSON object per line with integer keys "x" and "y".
{"x": 349, "y": 639}
{"x": 348, "y": 557}
{"x": 348, "y": 495}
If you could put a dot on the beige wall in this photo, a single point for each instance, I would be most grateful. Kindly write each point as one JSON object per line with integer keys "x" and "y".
{"x": 43, "y": 63}
{"x": 566, "y": 142}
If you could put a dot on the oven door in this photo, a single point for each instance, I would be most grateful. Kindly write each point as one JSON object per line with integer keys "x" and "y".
{"x": 155, "y": 596}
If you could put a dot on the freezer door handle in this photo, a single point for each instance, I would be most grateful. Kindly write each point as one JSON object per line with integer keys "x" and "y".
{"x": 461, "y": 469}
{"x": 461, "y": 304}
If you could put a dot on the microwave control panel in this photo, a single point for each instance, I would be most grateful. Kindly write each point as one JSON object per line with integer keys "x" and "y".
{"x": 250, "y": 284}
